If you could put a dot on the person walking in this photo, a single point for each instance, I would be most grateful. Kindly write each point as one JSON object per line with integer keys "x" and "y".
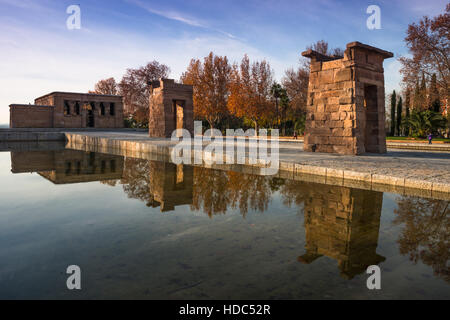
{"x": 430, "y": 138}
{"x": 295, "y": 134}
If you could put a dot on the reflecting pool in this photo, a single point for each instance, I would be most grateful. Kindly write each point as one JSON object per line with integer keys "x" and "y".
{"x": 142, "y": 229}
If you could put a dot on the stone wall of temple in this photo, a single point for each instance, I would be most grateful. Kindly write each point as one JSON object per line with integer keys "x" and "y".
{"x": 30, "y": 116}
{"x": 69, "y": 110}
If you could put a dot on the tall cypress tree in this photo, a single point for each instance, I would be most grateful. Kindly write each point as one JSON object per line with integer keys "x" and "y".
{"x": 423, "y": 93}
{"x": 416, "y": 104}
{"x": 399, "y": 115}
{"x": 435, "y": 101}
{"x": 407, "y": 107}
{"x": 393, "y": 105}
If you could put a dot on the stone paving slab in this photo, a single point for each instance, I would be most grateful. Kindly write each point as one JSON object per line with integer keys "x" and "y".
{"x": 426, "y": 172}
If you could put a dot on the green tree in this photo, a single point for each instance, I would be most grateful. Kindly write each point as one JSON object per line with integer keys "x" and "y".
{"x": 393, "y": 105}
{"x": 425, "y": 122}
{"x": 416, "y": 103}
{"x": 405, "y": 123}
{"x": 423, "y": 94}
{"x": 276, "y": 93}
{"x": 435, "y": 101}
{"x": 399, "y": 115}
{"x": 284, "y": 105}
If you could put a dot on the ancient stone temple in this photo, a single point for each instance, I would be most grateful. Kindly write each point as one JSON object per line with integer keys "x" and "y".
{"x": 345, "y": 106}
{"x": 69, "y": 110}
{"x": 171, "y": 107}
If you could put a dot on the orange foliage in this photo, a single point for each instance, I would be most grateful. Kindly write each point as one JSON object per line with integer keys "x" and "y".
{"x": 250, "y": 90}
{"x": 210, "y": 80}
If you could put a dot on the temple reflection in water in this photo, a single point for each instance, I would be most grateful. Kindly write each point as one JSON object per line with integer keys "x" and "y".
{"x": 170, "y": 185}
{"x": 68, "y": 166}
{"x": 340, "y": 223}
{"x": 343, "y": 224}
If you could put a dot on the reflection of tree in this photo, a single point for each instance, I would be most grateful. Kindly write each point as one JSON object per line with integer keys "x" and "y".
{"x": 136, "y": 179}
{"x": 249, "y": 190}
{"x": 215, "y": 191}
{"x": 111, "y": 183}
{"x": 295, "y": 192}
{"x": 210, "y": 191}
{"x": 426, "y": 235}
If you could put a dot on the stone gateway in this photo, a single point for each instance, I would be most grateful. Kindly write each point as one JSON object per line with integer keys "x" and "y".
{"x": 345, "y": 106}
{"x": 171, "y": 107}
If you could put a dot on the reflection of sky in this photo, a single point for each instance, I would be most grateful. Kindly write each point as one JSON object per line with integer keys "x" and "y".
{"x": 39, "y": 55}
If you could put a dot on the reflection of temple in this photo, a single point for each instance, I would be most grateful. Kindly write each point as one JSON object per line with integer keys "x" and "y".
{"x": 68, "y": 166}
{"x": 170, "y": 185}
{"x": 343, "y": 224}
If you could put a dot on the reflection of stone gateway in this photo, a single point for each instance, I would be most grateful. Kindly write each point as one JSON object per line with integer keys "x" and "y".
{"x": 170, "y": 185}
{"x": 345, "y": 108}
{"x": 343, "y": 224}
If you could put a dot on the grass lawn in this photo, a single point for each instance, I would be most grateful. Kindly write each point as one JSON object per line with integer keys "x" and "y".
{"x": 416, "y": 139}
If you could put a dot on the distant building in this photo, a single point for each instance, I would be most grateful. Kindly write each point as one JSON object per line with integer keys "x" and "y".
{"x": 69, "y": 110}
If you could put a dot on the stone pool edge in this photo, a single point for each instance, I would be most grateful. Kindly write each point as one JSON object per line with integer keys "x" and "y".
{"x": 290, "y": 170}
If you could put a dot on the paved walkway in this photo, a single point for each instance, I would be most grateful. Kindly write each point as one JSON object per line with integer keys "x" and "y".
{"x": 401, "y": 169}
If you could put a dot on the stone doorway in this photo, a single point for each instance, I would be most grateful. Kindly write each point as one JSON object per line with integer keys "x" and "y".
{"x": 178, "y": 108}
{"x": 371, "y": 134}
{"x": 90, "y": 119}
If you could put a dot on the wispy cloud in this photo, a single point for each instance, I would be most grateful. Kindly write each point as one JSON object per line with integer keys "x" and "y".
{"x": 176, "y": 16}
{"x": 172, "y": 15}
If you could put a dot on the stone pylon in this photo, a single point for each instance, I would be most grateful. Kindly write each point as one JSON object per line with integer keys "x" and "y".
{"x": 345, "y": 105}
{"x": 171, "y": 107}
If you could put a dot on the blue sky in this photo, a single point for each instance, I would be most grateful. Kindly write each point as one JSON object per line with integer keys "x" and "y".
{"x": 38, "y": 54}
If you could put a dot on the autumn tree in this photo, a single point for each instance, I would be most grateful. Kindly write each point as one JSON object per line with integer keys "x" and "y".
{"x": 210, "y": 80}
{"x": 106, "y": 86}
{"x": 250, "y": 90}
{"x": 295, "y": 81}
{"x": 425, "y": 232}
{"x": 322, "y": 47}
{"x": 134, "y": 89}
{"x": 428, "y": 42}
{"x": 296, "y": 84}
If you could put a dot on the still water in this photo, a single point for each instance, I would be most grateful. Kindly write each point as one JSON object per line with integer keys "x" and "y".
{"x": 142, "y": 229}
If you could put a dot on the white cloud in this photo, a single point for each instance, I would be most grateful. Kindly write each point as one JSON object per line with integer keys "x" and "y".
{"x": 35, "y": 62}
{"x": 176, "y": 16}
